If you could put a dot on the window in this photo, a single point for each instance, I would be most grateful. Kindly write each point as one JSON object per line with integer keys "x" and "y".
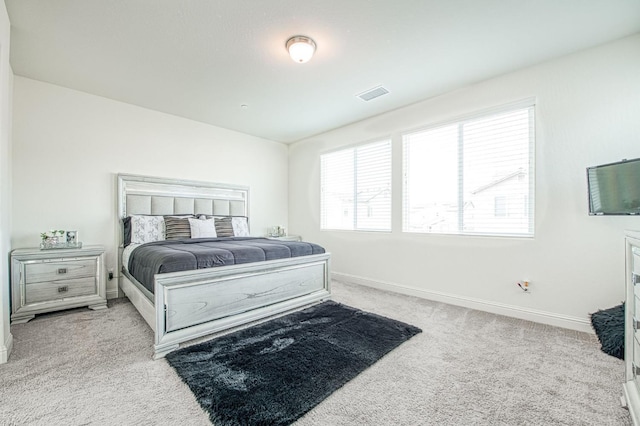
{"x": 473, "y": 176}
{"x": 356, "y": 188}
{"x": 500, "y": 206}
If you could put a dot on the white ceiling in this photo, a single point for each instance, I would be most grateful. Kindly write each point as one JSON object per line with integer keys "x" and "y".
{"x": 203, "y": 59}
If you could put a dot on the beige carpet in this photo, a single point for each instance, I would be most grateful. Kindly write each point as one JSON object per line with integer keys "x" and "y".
{"x": 82, "y": 367}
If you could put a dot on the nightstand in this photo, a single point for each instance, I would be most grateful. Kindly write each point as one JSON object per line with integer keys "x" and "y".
{"x": 287, "y": 238}
{"x": 56, "y": 279}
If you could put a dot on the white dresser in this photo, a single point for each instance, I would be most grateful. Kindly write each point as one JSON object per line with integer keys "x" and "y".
{"x": 632, "y": 324}
{"x": 51, "y": 280}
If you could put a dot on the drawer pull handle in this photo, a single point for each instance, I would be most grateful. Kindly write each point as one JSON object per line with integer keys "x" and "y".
{"x": 62, "y": 270}
{"x": 63, "y": 289}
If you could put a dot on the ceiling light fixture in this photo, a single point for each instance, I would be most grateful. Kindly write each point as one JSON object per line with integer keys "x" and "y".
{"x": 301, "y": 48}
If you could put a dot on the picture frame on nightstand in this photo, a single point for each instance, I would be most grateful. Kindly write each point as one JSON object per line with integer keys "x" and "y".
{"x": 72, "y": 238}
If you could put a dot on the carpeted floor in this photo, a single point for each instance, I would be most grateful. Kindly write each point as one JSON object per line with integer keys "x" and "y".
{"x": 466, "y": 368}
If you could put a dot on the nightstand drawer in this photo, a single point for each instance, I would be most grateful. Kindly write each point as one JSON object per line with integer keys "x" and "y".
{"x": 63, "y": 270}
{"x": 56, "y": 290}
{"x": 287, "y": 238}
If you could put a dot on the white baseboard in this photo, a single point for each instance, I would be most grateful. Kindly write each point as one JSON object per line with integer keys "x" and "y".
{"x": 543, "y": 317}
{"x": 5, "y": 350}
{"x": 113, "y": 292}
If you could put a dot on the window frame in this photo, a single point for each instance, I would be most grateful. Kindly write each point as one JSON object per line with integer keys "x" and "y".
{"x": 354, "y": 147}
{"x": 529, "y": 103}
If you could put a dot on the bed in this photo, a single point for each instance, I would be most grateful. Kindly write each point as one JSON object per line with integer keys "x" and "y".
{"x": 183, "y": 305}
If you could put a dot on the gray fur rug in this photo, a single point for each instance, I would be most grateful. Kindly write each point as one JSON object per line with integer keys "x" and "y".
{"x": 273, "y": 373}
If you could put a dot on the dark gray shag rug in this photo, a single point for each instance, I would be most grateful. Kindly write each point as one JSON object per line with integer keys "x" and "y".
{"x": 273, "y": 373}
{"x": 609, "y": 327}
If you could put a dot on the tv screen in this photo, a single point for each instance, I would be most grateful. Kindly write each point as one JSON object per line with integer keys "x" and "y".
{"x": 614, "y": 188}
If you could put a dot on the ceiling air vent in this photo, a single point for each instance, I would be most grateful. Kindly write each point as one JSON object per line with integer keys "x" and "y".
{"x": 367, "y": 95}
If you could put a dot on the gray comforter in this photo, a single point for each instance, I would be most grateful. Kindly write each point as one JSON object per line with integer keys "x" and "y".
{"x": 198, "y": 253}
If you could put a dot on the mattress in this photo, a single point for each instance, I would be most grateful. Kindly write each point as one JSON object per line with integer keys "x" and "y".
{"x": 160, "y": 257}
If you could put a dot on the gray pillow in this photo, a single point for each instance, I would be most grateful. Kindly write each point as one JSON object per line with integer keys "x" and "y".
{"x": 177, "y": 228}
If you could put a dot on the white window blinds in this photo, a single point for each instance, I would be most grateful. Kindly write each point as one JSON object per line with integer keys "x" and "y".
{"x": 356, "y": 188}
{"x": 473, "y": 176}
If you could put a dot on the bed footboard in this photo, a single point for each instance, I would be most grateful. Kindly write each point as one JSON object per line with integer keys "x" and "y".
{"x": 193, "y": 304}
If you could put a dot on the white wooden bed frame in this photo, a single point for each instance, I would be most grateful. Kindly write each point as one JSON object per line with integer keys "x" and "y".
{"x": 191, "y": 304}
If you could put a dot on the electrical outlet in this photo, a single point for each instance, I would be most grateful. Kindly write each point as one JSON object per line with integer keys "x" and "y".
{"x": 110, "y": 274}
{"x": 525, "y": 285}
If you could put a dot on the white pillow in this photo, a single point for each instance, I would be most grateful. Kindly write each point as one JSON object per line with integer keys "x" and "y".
{"x": 202, "y": 228}
{"x": 146, "y": 229}
{"x": 240, "y": 226}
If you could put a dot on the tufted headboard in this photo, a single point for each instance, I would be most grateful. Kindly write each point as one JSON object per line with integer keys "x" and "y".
{"x": 146, "y": 195}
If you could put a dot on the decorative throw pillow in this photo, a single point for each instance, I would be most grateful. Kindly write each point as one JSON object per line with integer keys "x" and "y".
{"x": 146, "y": 229}
{"x": 224, "y": 227}
{"x": 240, "y": 226}
{"x": 177, "y": 228}
{"x": 202, "y": 228}
{"x": 126, "y": 225}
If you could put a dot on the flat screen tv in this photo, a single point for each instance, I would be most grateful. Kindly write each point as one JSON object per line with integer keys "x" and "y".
{"x": 614, "y": 189}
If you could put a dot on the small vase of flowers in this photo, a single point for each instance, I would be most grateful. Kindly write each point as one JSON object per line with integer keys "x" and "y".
{"x": 52, "y": 238}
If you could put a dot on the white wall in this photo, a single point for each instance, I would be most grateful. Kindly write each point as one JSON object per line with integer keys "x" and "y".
{"x": 6, "y": 83}
{"x": 68, "y": 147}
{"x": 587, "y": 112}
